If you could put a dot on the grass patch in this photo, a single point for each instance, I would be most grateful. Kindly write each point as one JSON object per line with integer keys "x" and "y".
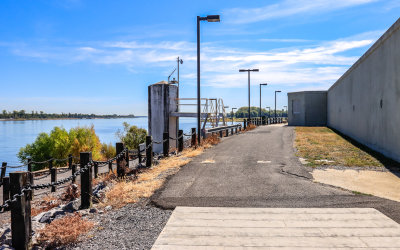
{"x": 64, "y": 231}
{"x": 322, "y": 146}
{"x": 360, "y": 193}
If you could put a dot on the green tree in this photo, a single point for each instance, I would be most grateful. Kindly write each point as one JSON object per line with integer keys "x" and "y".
{"x": 59, "y": 144}
{"x": 132, "y": 136}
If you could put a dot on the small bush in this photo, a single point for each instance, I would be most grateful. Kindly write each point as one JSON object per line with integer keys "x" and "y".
{"x": 64, "y": 231}
{"x": 108, "y": 151}
{"x": 132, "y": 136}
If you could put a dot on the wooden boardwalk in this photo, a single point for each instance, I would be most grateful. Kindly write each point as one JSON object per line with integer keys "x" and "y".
{"x": 283, "y": 228}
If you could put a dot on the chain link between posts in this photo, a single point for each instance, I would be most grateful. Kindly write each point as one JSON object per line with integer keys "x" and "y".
{"x": 28, "y": 188}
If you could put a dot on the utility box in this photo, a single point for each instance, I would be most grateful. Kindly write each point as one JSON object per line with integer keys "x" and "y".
{"x": 162, "y": 102}
{"x": 307, "y": 108}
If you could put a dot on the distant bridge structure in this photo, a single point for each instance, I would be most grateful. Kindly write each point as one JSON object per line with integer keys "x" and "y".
{"x": 213, "y": 111}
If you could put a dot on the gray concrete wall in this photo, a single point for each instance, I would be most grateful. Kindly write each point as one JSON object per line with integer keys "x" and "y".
{"x": 161, "y": 102}
{"x": 307, "y": 108}
{"x": 365, "y": 102}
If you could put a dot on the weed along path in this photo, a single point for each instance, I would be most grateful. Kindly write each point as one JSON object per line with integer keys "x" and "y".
{"x": 259, "y": 170}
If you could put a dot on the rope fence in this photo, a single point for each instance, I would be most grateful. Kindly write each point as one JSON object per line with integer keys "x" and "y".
{"x": 19, "y": 187}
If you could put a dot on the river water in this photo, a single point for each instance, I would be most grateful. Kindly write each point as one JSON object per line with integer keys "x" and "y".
{"x": 16, "y": 134}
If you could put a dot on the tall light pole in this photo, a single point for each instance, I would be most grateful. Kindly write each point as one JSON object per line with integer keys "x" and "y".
{"x": 232, "y": 114}
{"x": 269, "y": 111}
{"x": 261, "y": 84}
{"x": 248, "y": 71}
{"x": 276, "y": 91}
{"x": 286, "y": 110}
{"x": 210, "y": 18}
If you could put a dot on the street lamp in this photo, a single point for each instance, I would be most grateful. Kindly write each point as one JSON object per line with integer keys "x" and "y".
{"x": 232, "y": 114}
{"x": 209, "y": 18}
{"x": 276, "y": 91}
{"x": 269, "y": 111}
{"x": 261, "y": 84}
{"x": 286, "y": 110}
{"x": 248, "y": 71}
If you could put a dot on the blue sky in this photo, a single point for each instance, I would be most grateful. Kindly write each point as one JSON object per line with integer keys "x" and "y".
{"x": 100, "y": 56}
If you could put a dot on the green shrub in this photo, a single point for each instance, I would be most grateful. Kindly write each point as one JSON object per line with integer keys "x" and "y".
{"x": 132, "y": 136}
{"x": 59, "y": 144}
{"x": 108, "y": 151}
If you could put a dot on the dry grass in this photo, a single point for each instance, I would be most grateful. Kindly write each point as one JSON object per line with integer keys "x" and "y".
{"x": 70, "y": 193}
{"x": 127, "y": 191}
{"x": 250, "y": 127}
{"x": 322, "y": 146}
{"x": 64, "y": 231}
{"x": 48, "y": 202}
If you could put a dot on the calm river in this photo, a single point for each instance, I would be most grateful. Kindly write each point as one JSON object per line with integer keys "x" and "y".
{"x": 16, "y": 134}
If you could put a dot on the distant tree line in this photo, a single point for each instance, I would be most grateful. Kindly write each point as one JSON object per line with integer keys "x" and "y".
{"x": 22, "y": 114}
{"x": 255, "y": 112}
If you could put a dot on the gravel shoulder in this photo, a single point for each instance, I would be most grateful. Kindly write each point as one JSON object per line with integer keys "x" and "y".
{"x": 135, "y": 226}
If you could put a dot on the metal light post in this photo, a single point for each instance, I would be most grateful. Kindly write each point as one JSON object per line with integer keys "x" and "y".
{"x": 261, "y": 84}
{"x": 269, "y": 111}
{"x": 286, "y": 110}
{"x": 210, "y": 18}
{"x": 248, "y": 71}
{"x": 276, "y": 91}
{"x": 232, "y": 114}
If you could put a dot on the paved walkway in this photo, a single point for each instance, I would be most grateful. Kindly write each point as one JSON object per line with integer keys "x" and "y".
{"x": 258, "y": 169}
{"x": 280, "y": 228}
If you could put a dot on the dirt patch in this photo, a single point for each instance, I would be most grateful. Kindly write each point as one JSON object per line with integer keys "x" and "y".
{"x": 383, "y": 184}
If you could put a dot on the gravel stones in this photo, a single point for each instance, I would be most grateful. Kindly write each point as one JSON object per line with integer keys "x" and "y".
{"x": 131, "y": 227}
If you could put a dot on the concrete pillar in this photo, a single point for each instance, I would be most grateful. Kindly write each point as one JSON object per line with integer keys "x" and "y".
{"x": 161, "y": 102}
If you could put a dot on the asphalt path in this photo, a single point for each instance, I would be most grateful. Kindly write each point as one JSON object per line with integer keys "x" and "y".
{"x": 258, "y": 168}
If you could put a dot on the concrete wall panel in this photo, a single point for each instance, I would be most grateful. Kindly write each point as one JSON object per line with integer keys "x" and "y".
{"x": 365, "y": 102}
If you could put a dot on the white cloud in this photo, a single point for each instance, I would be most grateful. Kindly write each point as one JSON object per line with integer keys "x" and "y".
{"x": 316, "y": 62}
{"x": 288, "y": 8}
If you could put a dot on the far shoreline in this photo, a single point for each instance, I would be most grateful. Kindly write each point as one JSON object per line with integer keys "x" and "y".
{"x": 45, "y": 119}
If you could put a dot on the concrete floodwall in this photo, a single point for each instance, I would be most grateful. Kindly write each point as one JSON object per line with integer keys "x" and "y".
{"x": 365, "y": 102}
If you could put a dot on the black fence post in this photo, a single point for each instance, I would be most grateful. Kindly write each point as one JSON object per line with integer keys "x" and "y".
{"x": 194, "y": 141}
{"x": 139, "y": 155}
{"x": 96, "y": 170}
{"x": 6, "y": 189}
{"x": 180, "y": 140}
{"x": 53, "y": 175}
{"x": 20, "y": 212}
{"x": 220, "y": 134}
{"x": 3, "y": 171}
{"x": 86, "y": 180}
{"x": 30, "y": 176}
{"x": 70, "y": 161}
{"x": 127, "y": 159}
{"x": 166, "y": 144}
{"x": 110, "y": 167}
{"x": 119, "y": 146}
{"x": 149, "y": 151}
{"x": 73, "y": 172}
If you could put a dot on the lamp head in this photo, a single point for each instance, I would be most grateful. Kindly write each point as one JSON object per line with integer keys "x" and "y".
{"x": 181, "y": 61}
{"x": 213, "y": 18}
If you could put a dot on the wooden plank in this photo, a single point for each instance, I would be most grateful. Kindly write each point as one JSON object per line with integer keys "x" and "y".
{"x": 263, "y": 241}
{"x": 277, "y": 210}
{"x": 282, "y": 216}
{"x": 279, "y": 232}
{"x": 283, "y": 228}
